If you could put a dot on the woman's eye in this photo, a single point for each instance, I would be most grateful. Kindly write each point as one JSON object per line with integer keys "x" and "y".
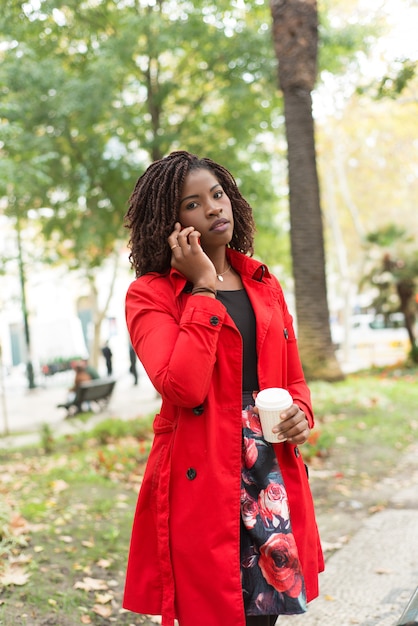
{"x": 218, "y": 195}
{"x": 191, "y": 205}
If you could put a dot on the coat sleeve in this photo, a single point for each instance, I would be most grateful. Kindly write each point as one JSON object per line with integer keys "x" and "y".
{"x": 176, "y": 347}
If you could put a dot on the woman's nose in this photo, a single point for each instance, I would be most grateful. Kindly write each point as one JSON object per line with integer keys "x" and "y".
{"x": 214, "y": 209}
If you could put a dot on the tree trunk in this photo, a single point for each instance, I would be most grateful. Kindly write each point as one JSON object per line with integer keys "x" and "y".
{"x": 406, "y": 293}
{"x": 295, "y": 39}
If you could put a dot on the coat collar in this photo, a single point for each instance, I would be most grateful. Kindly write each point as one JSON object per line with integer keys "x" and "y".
{"x": 247, "y": 267}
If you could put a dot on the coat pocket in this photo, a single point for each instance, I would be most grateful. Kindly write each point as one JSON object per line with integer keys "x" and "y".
{"x": 163, "y": 425}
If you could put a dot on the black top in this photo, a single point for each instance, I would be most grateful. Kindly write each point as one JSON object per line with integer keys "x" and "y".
{"x": 239, "y": 308}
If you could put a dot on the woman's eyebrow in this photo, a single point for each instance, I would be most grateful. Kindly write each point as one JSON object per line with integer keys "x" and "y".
{"x": 196, "y": 195}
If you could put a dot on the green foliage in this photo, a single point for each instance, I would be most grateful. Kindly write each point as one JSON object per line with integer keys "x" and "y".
{"x": 396, "y": 261}
{"x": 399, "y": 76}
{"x": 96, "y": 91}
{"x": 386, "y": 236}
{"x": 364, "y": 419}
{"x": 110, "y": 429}
{"x": 339, "y": 45}
{"x": 394, "y": 83}
{"x": 47, "y": 438}
{"x": 92, "y": 92}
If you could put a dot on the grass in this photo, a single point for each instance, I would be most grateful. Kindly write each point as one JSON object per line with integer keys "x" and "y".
{"x": 65, "y": 523}
{"x": 66, "y": 509}
{"x": 370, "y": 412}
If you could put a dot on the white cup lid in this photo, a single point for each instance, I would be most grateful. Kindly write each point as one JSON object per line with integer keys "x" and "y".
{"x": 273, "y": 398}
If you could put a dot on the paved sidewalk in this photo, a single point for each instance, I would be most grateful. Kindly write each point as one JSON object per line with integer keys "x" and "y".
{"x": 370, "y": 580}
{"x": 27, "y": 410}
{"x": 367, "y": 582}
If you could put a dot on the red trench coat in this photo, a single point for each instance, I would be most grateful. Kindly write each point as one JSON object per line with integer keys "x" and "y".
{"x": 184, "y": 558}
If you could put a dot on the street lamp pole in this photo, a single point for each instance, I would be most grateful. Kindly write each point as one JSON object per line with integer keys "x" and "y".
{"x": 29, "y": 365}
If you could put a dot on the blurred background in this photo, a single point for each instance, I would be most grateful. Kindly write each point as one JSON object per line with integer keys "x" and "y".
{"x": 91, "y": 92}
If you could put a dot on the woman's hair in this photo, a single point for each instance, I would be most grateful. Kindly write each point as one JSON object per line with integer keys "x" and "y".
{"x": 154, "y": 208}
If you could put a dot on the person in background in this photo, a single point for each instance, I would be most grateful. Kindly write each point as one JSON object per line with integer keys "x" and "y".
{"x": 93, "y": 373}
{"x": 107, "y": 353}
{"x": 81, "y": 376}
{"x": 224, "y": 533}
{"x": 133, "y": 367}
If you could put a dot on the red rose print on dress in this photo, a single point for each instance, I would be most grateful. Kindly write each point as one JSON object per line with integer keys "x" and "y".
{"x": 249, "y": 509}
{"x": 250, "y": 452}
{"x": 252, "y": 421}
{"x": 273, "y": 504}
{"x": 279, "y": 563}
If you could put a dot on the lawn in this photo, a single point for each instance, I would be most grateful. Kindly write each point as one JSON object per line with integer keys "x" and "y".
{"x": 66, "y": 509}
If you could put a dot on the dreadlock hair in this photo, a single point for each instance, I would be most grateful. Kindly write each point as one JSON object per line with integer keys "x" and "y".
{"x": 154, "y": 204}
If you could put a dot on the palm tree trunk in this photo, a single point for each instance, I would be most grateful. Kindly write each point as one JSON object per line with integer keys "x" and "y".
{"x": 295, "y": 33}
{"x": 307, "y": 242}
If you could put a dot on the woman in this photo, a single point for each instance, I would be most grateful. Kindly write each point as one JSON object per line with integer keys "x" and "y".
{"x": 224, "y": 532}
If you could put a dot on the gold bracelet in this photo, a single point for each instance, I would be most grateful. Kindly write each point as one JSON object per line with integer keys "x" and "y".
{"x": 196, "y": 290}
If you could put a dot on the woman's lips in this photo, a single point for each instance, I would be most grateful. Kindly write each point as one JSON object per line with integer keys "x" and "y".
{"x": 219, "y": 226}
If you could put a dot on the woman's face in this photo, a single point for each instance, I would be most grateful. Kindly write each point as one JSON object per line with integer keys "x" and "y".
{"x": 205, "y": 206}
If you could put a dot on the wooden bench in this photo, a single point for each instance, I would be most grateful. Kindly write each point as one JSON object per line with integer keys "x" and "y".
{"x": 92, "y": 391}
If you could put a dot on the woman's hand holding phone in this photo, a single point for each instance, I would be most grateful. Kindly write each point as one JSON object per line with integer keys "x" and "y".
{"x": 188, "y": 257}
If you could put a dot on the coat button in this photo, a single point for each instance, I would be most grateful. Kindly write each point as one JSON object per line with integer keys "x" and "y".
{"x": 297, "y": 452}
{"x": 198, "y": 410}
{"x": 214, "y": 320}
{"x": 191, "y": 473}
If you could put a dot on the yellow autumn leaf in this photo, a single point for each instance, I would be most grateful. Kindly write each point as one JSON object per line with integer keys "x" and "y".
{"x": 104, "y": 598}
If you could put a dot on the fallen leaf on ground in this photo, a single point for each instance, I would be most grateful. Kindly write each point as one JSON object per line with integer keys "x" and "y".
{"x": 91, "y": 584}
{"x": 104, "y": 598}
{"x": 18, "y": 525}
{"x": 103, "y": 611}
{"x": 59, "y": 485}
{"x": 14, "y": 575}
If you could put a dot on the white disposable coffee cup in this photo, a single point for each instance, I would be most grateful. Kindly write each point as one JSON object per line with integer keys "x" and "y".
{"x": 270, "y": 403}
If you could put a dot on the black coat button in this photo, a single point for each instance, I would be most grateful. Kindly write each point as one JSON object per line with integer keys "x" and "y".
{"x": 214, "y": 320}
{"x": 297, "y": 452}
{"x": 198, "y": 410}
{"x": 191, "y": 473}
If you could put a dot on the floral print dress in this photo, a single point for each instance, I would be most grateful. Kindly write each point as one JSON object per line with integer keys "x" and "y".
{"x": 272, "y": 579}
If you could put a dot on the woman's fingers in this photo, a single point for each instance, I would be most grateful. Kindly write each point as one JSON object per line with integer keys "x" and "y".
{"x": 293, "y": 426}
{"x": 173, "y": 238}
